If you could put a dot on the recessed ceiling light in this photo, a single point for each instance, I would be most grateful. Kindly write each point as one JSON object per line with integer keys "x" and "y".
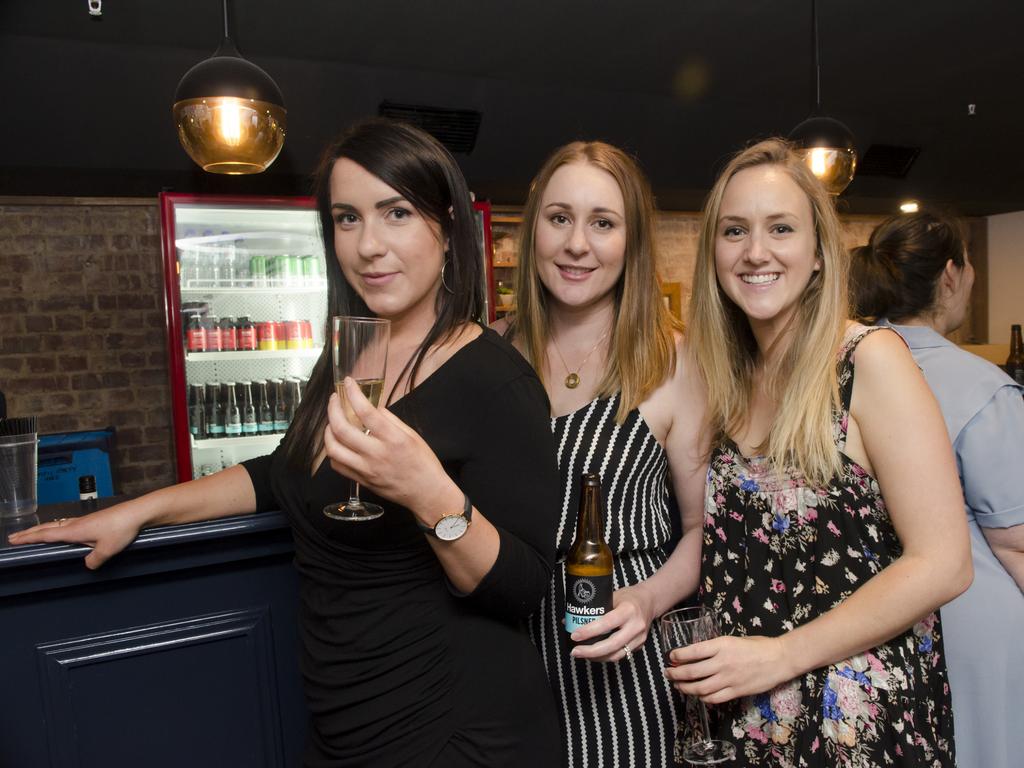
{"x": 910, "y": 206}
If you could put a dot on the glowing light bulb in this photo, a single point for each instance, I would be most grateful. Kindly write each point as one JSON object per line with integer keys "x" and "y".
{"x": 819, "y": 164}
{"x": 910, "y": 206}
{"x": 229, "y": 122}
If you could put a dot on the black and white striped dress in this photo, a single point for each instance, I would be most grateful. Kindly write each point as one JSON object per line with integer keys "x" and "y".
{"x": 613, "y": 714}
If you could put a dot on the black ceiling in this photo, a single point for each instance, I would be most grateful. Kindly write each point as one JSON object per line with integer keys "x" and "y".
{"x": 681, "y": 83}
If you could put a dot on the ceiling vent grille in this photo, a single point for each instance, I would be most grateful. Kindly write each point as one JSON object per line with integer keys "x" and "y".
{"x": 887, "y": 160}
{"x": 455, "y": 128}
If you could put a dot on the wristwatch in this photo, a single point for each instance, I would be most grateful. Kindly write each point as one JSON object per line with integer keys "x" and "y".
{"x": 451, "y": 527}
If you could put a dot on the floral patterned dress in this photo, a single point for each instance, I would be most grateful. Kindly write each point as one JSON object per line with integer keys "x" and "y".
{"x": 778, "y": 553}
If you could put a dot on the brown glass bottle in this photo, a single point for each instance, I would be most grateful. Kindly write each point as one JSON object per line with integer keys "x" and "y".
{"x": 588, "y": 566}
{"x": 1015, "y": 362}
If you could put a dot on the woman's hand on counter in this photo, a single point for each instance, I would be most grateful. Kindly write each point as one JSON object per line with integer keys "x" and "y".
{"x": 107, "y": 532}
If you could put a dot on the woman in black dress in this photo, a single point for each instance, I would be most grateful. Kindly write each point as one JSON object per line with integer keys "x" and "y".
{"x": 413, "y": 648}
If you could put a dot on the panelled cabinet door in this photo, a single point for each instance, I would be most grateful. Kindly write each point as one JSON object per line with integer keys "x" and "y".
{"x": 196, "y": 692}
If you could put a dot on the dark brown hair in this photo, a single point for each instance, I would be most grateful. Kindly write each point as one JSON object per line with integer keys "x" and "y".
{"x": 420, "y": 169}
{"x": 895, "y": 275}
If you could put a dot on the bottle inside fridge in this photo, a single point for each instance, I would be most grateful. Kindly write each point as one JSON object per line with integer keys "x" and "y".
{"x": 247, "y": 281}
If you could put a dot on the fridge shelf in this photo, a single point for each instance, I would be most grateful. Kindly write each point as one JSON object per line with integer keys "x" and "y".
{"x": 248, "y": 441}
{"x": 277, "y": 290}
{"x": 279, "y": 354}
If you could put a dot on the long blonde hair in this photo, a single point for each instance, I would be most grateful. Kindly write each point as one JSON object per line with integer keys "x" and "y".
{"x": 803, "y": 379}
{"x": 641, "y": 351}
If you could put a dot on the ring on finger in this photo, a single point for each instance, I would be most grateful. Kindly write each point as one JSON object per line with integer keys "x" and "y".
{"x": 628, "y": 651}
{"x": 60, "y": 521}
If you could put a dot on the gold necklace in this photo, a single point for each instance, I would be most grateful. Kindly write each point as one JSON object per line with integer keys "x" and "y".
{"x": 572, "y": 380}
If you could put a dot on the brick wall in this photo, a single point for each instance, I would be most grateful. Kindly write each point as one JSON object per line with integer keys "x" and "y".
{"x": 82, "y": 341}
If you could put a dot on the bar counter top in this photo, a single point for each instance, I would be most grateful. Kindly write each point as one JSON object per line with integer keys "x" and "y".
{"x": 149, "y": 538}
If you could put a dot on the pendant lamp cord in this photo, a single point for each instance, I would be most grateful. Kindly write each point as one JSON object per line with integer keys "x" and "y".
{"x": 817, "y": 57}
{"x": 226, "y": 19}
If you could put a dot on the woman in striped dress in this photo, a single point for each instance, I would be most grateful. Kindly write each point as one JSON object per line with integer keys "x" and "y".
{"x": 592, "y": 322}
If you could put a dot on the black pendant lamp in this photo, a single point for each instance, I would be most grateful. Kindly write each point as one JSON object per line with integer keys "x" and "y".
{"x": 826, "y": 144}
{"x": 229, "y": 113}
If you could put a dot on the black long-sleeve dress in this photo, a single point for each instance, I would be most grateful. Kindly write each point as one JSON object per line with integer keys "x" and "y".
{"x": 398, "y": 668}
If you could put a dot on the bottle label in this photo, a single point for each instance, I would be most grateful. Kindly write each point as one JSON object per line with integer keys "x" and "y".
{"x": 587, "y": 598}
{"x": 249, "y": 428}
{"x": 247, "y": 339}
{"x": 232, "y": 429}
{"x": 280, "y": 426}
{"x": 196, "y": 340}
{"x": 215, "y": 429}
{"x": 266, "y": 427}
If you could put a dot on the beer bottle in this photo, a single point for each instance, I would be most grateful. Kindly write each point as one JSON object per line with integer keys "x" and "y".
{"x": 196, "y": 411}
{"x": 249, "y": 423}
{"x": 1015, "y": 362}
{"x": 214, "y": 410}
{"x": 232, "y": 416}
{"x": 281, "y": 415}
{"x": 228, "y": 334}
{"x": 195, "y": 334}
{"x": 588, "y": 566}
{"x": 264, "y": 413}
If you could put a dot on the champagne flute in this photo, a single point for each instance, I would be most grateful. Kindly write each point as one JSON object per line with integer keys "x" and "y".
{"x": 360, "y": 351}
{"x": 679, "y": 628}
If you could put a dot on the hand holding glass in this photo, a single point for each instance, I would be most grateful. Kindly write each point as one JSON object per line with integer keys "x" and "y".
{"x": 360, "y": 352}
{"x": 680, "y": 628}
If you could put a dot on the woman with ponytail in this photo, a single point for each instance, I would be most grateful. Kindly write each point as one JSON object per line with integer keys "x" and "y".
{"x": 915, "y": 276}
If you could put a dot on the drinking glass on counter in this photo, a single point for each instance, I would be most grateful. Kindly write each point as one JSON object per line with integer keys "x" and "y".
{"x": 360, "y": 351}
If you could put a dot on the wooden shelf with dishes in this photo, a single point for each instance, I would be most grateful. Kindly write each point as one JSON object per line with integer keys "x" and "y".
{"x": 505, "y": 223}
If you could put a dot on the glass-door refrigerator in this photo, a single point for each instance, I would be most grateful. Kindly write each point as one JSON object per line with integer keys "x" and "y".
{"x": 245, "y": 300}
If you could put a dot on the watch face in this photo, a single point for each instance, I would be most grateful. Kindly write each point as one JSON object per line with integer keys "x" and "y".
{"x": 451, "y": 527}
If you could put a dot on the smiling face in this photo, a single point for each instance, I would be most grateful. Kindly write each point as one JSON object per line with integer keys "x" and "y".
{"x": 388, "y": 251}
{"x": 580, "y": 236}
{"x": 765, "y": 245}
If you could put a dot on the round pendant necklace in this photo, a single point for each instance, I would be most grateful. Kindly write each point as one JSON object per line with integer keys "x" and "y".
{"x": 572, "y": 379}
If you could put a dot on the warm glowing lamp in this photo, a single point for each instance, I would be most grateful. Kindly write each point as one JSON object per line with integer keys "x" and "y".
{"x": 826, "y": 144}
{"x": 828, "y": 149}
{"x": 229, "y": 113}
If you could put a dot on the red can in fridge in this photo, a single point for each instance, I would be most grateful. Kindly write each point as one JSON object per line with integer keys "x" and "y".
{"x": 307, "y": 334}
{"x": 293, "y": 331}
{"x": 281, "y": 331}
{"x": 266, "y": 335}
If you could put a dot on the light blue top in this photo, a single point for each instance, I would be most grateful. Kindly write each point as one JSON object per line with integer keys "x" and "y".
{"x": 984, "y": 627}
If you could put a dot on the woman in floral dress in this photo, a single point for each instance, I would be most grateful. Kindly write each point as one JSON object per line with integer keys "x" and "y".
{"x": 833, "y": 522}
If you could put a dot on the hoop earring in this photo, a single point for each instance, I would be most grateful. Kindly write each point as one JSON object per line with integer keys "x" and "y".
{"x": 443, "y": 281}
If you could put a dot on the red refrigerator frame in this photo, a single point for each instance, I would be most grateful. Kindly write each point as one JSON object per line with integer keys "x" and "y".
{"x": 172, "y": 304}
{"x": 172, "y": 296}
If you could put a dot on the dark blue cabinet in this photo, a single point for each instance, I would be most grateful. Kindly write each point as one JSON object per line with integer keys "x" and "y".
{"x": 181, "y": 651}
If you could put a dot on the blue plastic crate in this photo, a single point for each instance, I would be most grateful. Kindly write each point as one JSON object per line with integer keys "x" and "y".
{"x": 66, "y": 456}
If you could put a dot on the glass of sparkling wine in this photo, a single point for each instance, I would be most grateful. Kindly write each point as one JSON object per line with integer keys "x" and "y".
{"x": 679, "y": 628}
{"x": 360, "y": 351}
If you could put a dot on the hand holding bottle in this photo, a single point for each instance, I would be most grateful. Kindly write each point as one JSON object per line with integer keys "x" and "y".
{"x": 625, "y": 626}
